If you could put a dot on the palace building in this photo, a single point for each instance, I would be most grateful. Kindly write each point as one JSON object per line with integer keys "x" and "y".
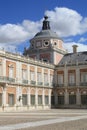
{"x": 45, "y": 76}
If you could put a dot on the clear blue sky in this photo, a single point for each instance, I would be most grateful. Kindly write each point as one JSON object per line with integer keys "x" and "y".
{"x": 13, "y": 13}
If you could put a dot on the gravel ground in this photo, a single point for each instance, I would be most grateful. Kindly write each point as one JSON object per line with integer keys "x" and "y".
{"x": 10, "y": 118}
{"x": 71, "y": 125}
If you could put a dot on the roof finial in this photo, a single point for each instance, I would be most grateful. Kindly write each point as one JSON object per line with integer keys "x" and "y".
{"x": 46, "y": 24}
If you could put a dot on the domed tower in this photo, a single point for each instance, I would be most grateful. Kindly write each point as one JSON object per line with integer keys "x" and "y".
{"x": 46, "y": 45}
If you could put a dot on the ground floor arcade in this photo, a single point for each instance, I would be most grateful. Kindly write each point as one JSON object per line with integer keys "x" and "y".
{"x": 15, "y": 97}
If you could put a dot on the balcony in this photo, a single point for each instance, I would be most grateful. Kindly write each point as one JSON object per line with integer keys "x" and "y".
{"x": 71, "y": 84}
{"x": 32, "y": 82}
{"x": 25, "y": 81}
{"x": 46, "y": 84}
{"x": 40, "y": 83}
{"x": 60, "y": 85}
{"x": 83, "y": 84}
{"x": 6, "y": 79}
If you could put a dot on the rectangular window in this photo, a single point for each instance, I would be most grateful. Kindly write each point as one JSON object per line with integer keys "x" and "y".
{"x": 72, "y": 99}
{"x": 60, "y": 78}
{"x": 61, "y": 100}
{"x": 84, "y": 77}
{"x": 84, "y": 99}
{"x": 24, "y": 99}
{"x": 51, "y": 79}
{"x": 0, "y": 99}
{"x": 11, "y": 72}
{"x": 71, "y": 78}
{"x": 39, "y": 99}
{"x": 32, "y": 75}
{"x": 11, "y": 99}
{"x": 46, "y": 100}
{"x": 39, "y": 77}
{"x": 46, "y": 78}
{"x": 24, "y": 74}
{"x": 32, "y": 99}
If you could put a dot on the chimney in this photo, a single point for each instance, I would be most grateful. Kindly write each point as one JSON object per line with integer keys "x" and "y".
{"x": 74, "y": 48}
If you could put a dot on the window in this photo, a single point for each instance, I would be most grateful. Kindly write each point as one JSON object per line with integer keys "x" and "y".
{"x": 32, "y": 75}
{"x": 84, "y": 99}
{"x": 39, "y": 77}
{"x": 45, "y": 78}
{"x": 84, "y": 77}
{"x": 71, "y": 78}
{"x": 46, "y": 100}
{"x": 32, "y": 99}
{"x": 39, "y": 99}
{"x": 51, "y": 79}
{"x": 11, "y": 99}
{"x": 11, "y": 71}
{"x": 24, "y": 74}
{"x": 24, "y": 99}
{"x": 0, "y": 99}
{"x": 61, "y": 100}
{"x": 60, "y": 78}
{"x": 72, "y": 99}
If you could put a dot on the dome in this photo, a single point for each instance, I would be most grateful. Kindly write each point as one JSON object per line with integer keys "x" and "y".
{"x": 46, "y": 34}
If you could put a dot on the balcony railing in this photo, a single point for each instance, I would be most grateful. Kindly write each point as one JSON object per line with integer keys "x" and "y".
{"x": 39, "y": 83}
{"x": 6, "y": 79}
{"x": 83, "y": 84}
{"x": 25, "y": 81}
{"x": 60, "y": 85}
{"x": 71, "y": 84}
{"x": 46, "y": 84}
{"x": 32, "y": 82}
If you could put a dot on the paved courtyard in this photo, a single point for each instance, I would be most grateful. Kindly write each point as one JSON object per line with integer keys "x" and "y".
{"x": 55, "y": 119}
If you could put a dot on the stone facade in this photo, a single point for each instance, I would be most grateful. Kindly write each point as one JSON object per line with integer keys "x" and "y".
{"x": 45, "y": 77}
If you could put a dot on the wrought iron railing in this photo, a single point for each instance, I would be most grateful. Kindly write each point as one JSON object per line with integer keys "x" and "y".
{"x": 39, "y": 83}
{"x": 32, "y": 82}
{"x": 46, "y": 84}
{"x": 24, "y": 81}
{"x": 6, "y": 79}
{"x": 71, "y": 84}
{"x": 83, "y": 84}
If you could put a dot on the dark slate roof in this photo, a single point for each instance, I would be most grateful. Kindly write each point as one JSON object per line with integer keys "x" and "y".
{"x": 73, "y": 58}
{"x": 46, "y": 34}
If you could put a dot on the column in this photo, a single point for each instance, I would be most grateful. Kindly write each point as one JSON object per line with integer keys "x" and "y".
{"x": 43, "y": 99}
{"x": 43, "y": 76}
{"x": 28, "y": 97}
{"x": 77, "y": 76}
{"x": 36, "y": 98}
{"x": 4, "y": 67}
{"x": 55, "y": 78}
{"x": 48, "y": 77}
{"x": 65, "y": 76}
{"x": 49, "y": 98}
{"x": 18, "y": 72}
{"x": 4, "y": 96}
{"x": 17, "y": 96}
{"x": 36, "y": 74}
{"x": 54, "y": 57}
{"x": 28, "y": 74}
{"x": 78, "y": 97}
{"x": 66, "y": 97}
{"x": 56, "y": 98}
{"x": 20, "y": 96}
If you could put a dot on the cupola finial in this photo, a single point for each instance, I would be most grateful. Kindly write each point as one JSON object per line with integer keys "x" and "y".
{"x": 46, "y": 24}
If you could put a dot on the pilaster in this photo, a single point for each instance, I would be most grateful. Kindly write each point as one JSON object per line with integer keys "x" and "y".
{"x": 78, "y": 97}
{"x": 66, "y": 97}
